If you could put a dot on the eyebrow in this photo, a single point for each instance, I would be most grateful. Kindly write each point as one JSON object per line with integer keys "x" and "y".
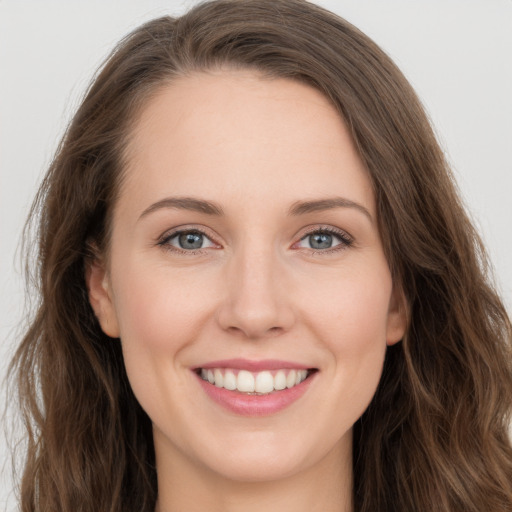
{"x": 297, "y": 208}
{"x": 185, "y": 203}
{"x": 304, "y": 207}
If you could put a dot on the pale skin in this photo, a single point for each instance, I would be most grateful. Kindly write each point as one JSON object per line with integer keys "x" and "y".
{"x": 276, "y": 164}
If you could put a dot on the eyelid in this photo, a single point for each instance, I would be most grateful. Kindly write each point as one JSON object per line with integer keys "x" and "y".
{"x": 164, "y": 238}
{"x": 346, "y": 240}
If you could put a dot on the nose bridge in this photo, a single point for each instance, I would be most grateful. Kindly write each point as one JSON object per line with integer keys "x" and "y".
{"x": 256, "y": 303}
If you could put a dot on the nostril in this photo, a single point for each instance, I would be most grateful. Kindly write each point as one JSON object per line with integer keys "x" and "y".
{"x": 255, "y": 333}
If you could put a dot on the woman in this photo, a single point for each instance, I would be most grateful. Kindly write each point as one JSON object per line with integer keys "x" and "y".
{"x": 259, "y": 287}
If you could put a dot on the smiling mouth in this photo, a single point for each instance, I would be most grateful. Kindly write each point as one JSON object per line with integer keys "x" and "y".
{"x": 254, "y": 383}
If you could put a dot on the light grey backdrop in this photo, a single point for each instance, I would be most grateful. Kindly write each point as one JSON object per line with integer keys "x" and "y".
{"x": 456, "y": 53}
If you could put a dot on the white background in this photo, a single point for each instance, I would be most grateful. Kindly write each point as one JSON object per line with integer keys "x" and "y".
{"x": 456, "y": 53}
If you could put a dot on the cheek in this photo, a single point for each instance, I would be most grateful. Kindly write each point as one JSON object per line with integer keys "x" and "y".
{"x": 156, "y": 310}
{"x": 159, "y": 319}
{"x": 349, "y": 318}
{"x": 351, "y": 308}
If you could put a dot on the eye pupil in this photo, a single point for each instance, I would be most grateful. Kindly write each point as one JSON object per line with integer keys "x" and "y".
{"x": 190, "y": 240}
{"x": 320, "y": 241}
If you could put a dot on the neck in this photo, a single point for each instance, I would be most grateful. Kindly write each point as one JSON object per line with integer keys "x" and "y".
{"x": 325, "y": 486}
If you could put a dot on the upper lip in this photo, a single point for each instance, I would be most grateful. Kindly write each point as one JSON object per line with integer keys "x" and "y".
{"x": 254, "y": 366}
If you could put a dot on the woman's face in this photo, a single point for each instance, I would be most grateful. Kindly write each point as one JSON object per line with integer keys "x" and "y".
{"x": 245, "y": 250}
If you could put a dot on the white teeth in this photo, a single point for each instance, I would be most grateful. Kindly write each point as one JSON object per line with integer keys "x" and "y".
{"x": 258, "y": 382}
{"x": 230, "y": 380}
{"x": 301, "y": 375}
{"x": 219, "y": 378}
{"x": 290, "y": 379}
{"x": 264, "y": 383}
{"x": 280, "y": 380}
{"x": 245, "y": 381}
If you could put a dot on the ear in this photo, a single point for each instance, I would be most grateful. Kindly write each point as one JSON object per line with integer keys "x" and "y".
{"x": 100, "y": 296}
{"x": 397, "y": 317}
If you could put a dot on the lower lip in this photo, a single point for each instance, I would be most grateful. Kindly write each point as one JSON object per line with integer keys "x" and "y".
{"x": 255, "y": 405}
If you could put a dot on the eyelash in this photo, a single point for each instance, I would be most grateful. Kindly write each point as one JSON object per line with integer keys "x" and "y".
{"x": 345, "y": 239}
{"x": 167, "y": 237}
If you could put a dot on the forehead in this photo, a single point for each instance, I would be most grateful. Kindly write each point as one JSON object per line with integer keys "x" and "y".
{"x": 226, "y": 132}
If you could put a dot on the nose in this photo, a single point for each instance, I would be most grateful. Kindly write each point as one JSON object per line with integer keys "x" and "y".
{"x": 257, "y": 303}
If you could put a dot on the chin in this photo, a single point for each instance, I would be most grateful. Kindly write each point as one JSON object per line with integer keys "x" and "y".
{"x": 264, "y": 456}
{"x": 262, "y": 467}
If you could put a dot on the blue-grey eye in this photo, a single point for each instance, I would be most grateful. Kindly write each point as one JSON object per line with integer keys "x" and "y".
{"x": 321, "y": 240}
{"x": 190, "y": 240}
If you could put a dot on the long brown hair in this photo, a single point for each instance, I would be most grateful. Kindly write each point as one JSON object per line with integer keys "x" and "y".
{"x": 435, "y": 436}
